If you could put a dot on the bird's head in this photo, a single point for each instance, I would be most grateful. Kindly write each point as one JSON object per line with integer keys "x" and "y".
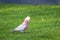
{"x": 27, "y": 18}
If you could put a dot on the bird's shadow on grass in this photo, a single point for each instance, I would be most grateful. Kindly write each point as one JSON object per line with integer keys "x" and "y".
{"x": 41, "y": 36}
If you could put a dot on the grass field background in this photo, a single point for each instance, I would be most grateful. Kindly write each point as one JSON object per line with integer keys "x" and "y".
{"x": 44, "y": 23}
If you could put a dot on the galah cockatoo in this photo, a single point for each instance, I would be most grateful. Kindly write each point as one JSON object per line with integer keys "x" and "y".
{"x": 22, "y": 27}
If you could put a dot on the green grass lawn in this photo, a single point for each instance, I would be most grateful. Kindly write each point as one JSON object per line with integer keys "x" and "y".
{"x": 44, "y": 23}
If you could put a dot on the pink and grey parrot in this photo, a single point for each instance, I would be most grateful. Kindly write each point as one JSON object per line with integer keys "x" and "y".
{"x": 22, "y": 27}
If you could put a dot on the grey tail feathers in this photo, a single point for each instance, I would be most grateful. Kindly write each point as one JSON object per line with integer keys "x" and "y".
{"x": 12, "y": 30}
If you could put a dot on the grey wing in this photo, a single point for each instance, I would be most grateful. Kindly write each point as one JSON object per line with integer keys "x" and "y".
{"x": 20, "y": 27}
